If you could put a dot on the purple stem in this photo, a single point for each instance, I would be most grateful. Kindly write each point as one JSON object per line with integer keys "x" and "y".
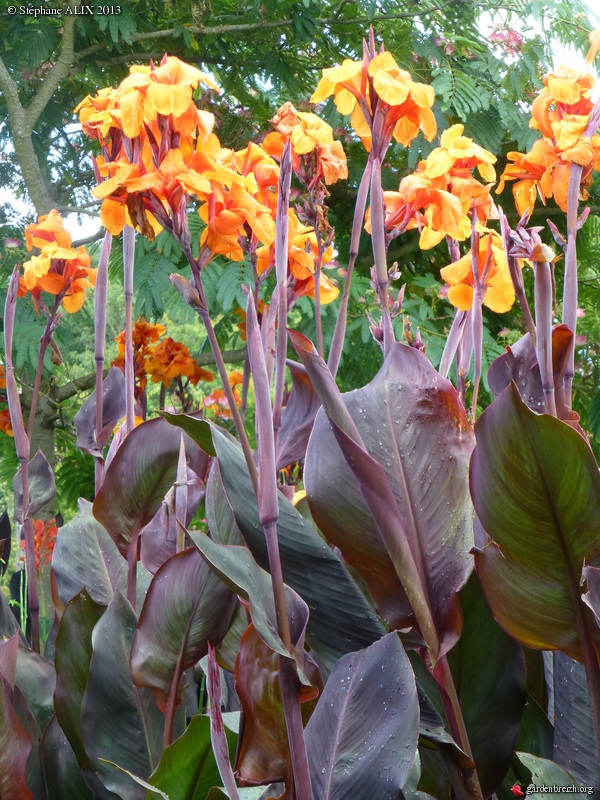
{"x": 516, "y": 275}
{"x": 128, "y": 261}
{"x": 452, "y": 342}
{"x": 318, "y": 320}
{"x": 181, "y": 496}
{"x": 463, "y": 358}
{"x": 268, "y": 512}
{"x": 22, "y": 446}
{"x": 569, "y": 316}
{"x": 477, "y": 333}
{"x": 281, "y": 269}
{"x": 44, "y": 342}
{"x": 379, "y": 253}
{"x": 543, "y": 342}
{"x": 339, "y": 334}
{"x": 99, "y": 342}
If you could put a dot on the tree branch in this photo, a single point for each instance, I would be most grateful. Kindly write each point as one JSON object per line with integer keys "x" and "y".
{"x": 241, "y": 27}
{"x": 57, "y": 74}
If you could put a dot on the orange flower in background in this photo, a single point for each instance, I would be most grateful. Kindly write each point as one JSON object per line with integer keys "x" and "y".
{"x": 216, "y": 402}
{"x": 241, "y": 312}
{"x": 539, "y": 172}
{"x": 45, "y": 534}
{"x": 59, "y": 269}
{"x": 5, "y": 425}
{"x": 143, "y": 334}
{"x": 500, "y": 293}
{"x": 2, "y": 377}
{"x": 170, "y": 359}
{"x": 594, "y": 39}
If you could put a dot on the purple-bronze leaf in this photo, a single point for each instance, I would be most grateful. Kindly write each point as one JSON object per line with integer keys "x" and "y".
{"x": 415, "y": 431}
{"x": 72, "y": 659}
{"x": 219, "y": 513}
{"x": 64, "y": 777}
{"x": 298, "y": 417}
{"x": 362, "y": 737}
{"x": 41, "y": 487}
{"x": 85, "y": 556}
{"x": 137, "y": 479}
{"x": 113, "y": 409}
{"x": 263, "y": 752}
{"x": 535, "y": 486}
{"x": 119, "y": 723}
{"x": 590, "y": 577}
{"x": 519, "y": 364}
{"x": 186, "y": 608}
{"x": 15, "y": 745}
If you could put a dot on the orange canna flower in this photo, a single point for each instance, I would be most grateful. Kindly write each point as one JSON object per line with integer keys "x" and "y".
{"x": 594, "y": 39}
{"x": 308, "y": 135}
{"x": 143, "y": 334}
{"x": 500, "y": 293}
{"x": 45, "y": 538}
{"x": 2, "y": 377}
{"x": 458, "y": 152}
{"x": 5, "y": 425}
{"x": 171, "y": 359}
{"x": 59, "y": 269}
{"x": 217, "y": 404}
{"x": 561, "y": 112}
{"x": 405, "y": 104}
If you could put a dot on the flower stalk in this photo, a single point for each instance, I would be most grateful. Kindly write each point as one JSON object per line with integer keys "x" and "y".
{"x": 100, "y": 308}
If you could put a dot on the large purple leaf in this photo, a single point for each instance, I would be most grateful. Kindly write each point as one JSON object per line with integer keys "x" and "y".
{"x": 575, "y": 746}
{"x": 186, "y": 608}
{"x": 64, "y": 777}
{"x": 413, "y": 481}
{"x": 119, "y": 723}
{"x": 489, "y": 672}
{"x": 219, "y": 513}
{"x": 85, "y": 556}
{"x": 36, "y": 680}
{"x": 15, "y": 742}
{"x": 263, "y": 751}
{"x": 519, "y": 364}
{"x": 298, "y": 417}
{"x": 41, "y": 487}
{"x": 137, "y": 480}
{"x": 535, "y": 486}
{"x": 339, "y": 622}
{"x": 361, "y": 740}
{"x": 113, "y": 409}
{"x": 237, "y": 568}
{"x": 72, "y": 657}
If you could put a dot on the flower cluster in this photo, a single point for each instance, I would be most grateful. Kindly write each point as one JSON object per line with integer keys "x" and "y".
{"x": 492, "y": 267}
{"x": 381, "y": 99}
{"x": 311, "y": 138}
{"x": 442, "y": 194}
{"x": 5, "y": 425}
{"x": 562, "y": 113}
{"x": 216, "y": 402}
{"x": 59, "y": 269}
{"x": 45, "y": 538}
{"x": 163, "y": 361}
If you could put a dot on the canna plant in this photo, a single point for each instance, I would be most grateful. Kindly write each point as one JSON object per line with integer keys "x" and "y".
{"x": 391, "y": 595}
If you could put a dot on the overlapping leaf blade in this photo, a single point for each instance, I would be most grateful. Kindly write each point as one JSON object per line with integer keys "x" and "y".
{"x": 536, "y": 490}
{"x": 186, "y": 608}
{"x": 412, "y": 423}
{"x": 361, "y": 740}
